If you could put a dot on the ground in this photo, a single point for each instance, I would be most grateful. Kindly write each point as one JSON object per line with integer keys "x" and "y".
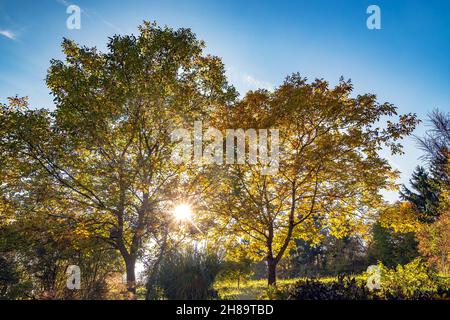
{"x": 251, "y": 289}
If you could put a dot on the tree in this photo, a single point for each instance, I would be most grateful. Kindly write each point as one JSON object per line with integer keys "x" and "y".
{"x": 346, "y": 255}
{"x": 41, "y": 235}
{"x": 434, "y": 238}
{"x": 392, "y": 248}
{"x": 331, "y": 257}
{"x": 426, "y": 195}
{"x": 329, "y": 174}
{"x": 106, "y": 148}
{"x": 308, "y": 259}
{"x": 434, "y": 243}
{"x": 237, "y": 264}
{"x": 428, "y": 200}
{"x": 426, "y": 187}
{"x": 436, "y": 145}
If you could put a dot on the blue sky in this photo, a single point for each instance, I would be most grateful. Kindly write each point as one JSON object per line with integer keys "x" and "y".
{"x": 407, "y": 62}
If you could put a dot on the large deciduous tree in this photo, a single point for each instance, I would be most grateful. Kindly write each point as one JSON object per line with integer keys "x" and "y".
{"x": 330, "y": 173}
{"x": 106, "y": 148}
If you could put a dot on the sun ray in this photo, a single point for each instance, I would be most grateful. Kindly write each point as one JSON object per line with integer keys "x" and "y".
{"x": 183, "y": 212}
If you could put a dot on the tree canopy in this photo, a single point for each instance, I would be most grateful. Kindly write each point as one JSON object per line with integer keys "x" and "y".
{"x": 330, "y": 173}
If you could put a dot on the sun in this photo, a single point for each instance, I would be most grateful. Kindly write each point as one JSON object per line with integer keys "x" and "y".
{"x": 183, "y": 212}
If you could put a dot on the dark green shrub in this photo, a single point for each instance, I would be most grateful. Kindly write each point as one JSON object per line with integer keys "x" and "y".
{"x": 345, "y": 288}
{"x": 13, "y": 284}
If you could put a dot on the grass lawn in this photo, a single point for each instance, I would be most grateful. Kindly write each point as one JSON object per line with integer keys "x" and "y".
{"x": 251, "y": 289}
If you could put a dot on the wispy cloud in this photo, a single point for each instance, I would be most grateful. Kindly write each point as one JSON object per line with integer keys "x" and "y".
{"x": 8, "y": 34}
{"x": 255, "y": 83}
{"x": 109, "y": 24}
{"x": 63, "y": 2}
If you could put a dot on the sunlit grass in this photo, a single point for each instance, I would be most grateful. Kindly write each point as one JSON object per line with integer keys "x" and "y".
{"x": 254, "y": 289}
{"x": 251, "y": 289}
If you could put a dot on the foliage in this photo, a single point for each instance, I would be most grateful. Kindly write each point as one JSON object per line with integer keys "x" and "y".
{"x": 392, "y": 248}
{"x": 434, "y": 243}
{"x": 411, "y": 281}
{"x": 105, "y": 151}
{"x": 330, "y": 173}
{"x": 188, "y": 274}
{"x": 436, "y": 145}
{"x": 426, "y": 196}
{"x": 401, "y": 217}
{"x": 13, "y": 283}
{"x": 237, "y": 266}
{"x": 345, "y": 288}
{"x": 330, "y": 257}
{"x": 250, "y": 290}
{"x": 91, "y": 183}
{"x": 431, "y": 199}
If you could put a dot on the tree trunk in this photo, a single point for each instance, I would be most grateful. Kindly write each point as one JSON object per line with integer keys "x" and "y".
{"x": 271, "y": 272}
{"x": 130, "y": 264}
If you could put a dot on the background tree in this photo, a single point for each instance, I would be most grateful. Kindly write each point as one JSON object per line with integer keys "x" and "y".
{"x": 308, "y": 259}
{"x": 434, "y": 243}
{"x": 424, "y": 194}
{"x": 237, "y": 264}
{"x": 426, "y": 210}
{"x": 436, "y": 145}
{"x": 434, "y": 238}
{"x": 427, "y": 186}
{"x": 331, "y": 257}
{"x": 346, "y": 255}
{"x": 392, "y": 248}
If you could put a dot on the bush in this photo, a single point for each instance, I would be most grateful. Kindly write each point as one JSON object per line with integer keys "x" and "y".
{"x": 188, "y": 275}
{"x": 275, "y": 293}
{"x": 413, "y": 281}
{"x": 407, "y": 279}
{"x": 345, "y": 288}
{"x": 13, "y": 285}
